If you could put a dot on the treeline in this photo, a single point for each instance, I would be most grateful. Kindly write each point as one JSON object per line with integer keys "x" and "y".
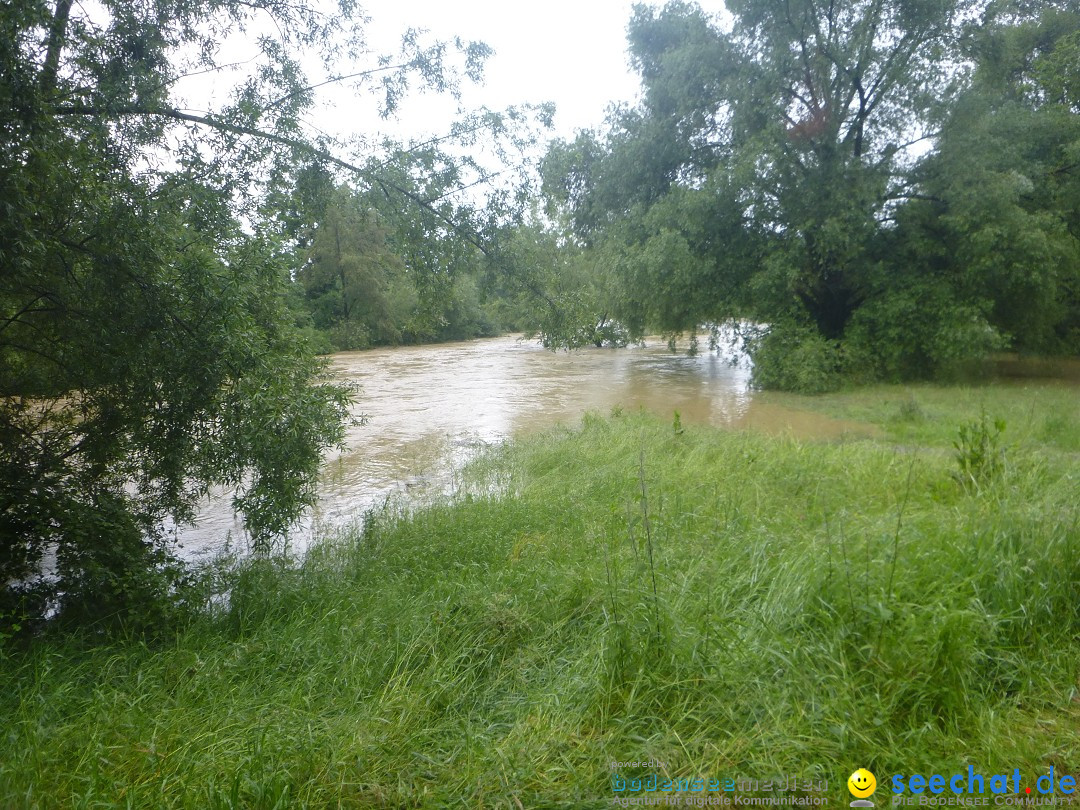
{"x": 369, "y": 276}
{"x": 889, "y": 190}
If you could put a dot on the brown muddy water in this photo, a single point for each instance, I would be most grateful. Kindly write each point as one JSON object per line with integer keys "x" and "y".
{"x": 429, "y": 409}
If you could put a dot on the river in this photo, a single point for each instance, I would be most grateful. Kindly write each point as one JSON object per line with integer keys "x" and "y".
{"x": 430, "y": 408}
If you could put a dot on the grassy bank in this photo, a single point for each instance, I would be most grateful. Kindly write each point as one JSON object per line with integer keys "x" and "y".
{"x": 730, "y": 604}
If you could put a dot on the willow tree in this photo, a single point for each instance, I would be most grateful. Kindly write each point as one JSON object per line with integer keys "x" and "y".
{"x": 146, "y": 350}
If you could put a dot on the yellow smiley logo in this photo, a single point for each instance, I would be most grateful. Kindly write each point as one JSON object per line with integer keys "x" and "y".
{"x": 862, "y": 783}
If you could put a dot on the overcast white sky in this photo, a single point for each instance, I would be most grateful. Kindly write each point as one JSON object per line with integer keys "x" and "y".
{"x": 571, "y": 52}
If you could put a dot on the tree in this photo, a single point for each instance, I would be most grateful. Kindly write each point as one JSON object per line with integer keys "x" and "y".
{"x": 770, "y": 174}
{"x": 985, "y": 252}
{"x": 147, "y": 352}
{"x": 351, "y": 277}
{"x": 759, "y": 170}
{"x": 999, "y": 213}
{"x": 452, "y": 249}
{"x": 378, "y": 271}
{"x": 557, "y": 291}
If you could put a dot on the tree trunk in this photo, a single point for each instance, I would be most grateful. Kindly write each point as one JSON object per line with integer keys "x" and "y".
{"x": 54, "y": 45}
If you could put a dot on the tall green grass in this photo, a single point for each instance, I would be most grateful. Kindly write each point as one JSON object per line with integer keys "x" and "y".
{"x": 727, "y": 603}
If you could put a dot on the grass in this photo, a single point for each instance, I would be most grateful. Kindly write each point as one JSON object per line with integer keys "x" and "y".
{"x": 729, "y": 604}
{"x": 1041, "y": 417}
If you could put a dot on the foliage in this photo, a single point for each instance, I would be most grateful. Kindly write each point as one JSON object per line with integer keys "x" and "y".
{"x": 997, "y": 223}
{"x": 375, "y": 278}
{"x": 150, "y": 346}
{"x": 776, "y": 171}
{"x": 353, "y": 281}
{"x": 150, "y": 356}
{"x": 917, "y": 328}
{"x": 793, "y": 358}
{"x": 411, "y": 257}
{"x": 557, "y": 291}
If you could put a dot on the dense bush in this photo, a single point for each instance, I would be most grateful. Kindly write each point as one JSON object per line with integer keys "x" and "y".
{"x": 793, "y": 358}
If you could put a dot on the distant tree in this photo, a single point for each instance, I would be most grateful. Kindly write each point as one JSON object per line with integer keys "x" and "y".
{"x": 351, "y": 276}
{"x": 560, "y": 293}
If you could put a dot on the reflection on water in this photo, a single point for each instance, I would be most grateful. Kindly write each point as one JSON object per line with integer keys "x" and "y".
{"x": 429, "y": 408}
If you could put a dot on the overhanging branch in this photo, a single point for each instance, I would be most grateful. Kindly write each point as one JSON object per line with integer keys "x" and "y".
{"x": 333, "y": 80}
{"x": 281, "y": 140}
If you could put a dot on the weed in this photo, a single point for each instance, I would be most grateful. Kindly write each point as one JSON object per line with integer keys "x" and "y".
{"x": 979, "y": 452}
{"x": 910, "y": 410}
{"x": 649, "y": 542}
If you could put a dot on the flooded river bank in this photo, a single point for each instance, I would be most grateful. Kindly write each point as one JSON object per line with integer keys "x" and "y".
{"x": 428, "y": 409}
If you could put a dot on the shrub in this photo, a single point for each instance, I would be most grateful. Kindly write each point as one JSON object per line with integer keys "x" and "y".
{"x": 920, "y": 332}
{"x": 794, "y": 358}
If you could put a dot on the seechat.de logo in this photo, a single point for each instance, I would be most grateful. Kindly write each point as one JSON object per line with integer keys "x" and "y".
{"x": 973, "y": 782}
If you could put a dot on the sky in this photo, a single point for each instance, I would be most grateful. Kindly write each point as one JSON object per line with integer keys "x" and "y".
{"x": 571, "y": 52}
{"x": 568, "y": 52}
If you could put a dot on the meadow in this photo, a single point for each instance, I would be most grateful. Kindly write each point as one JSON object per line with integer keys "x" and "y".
{"x": 728, "y": 605}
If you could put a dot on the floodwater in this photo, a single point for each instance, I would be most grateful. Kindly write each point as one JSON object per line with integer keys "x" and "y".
{"x": 430, "y": 408}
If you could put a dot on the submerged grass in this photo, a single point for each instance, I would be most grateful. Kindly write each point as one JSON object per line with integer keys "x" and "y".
{"x": 728, "y": 604}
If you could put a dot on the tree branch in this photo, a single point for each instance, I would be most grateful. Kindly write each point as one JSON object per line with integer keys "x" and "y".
{"x": 459, "y": 189}
{"x": 292, "y": 143}
{"x": 431, "y": 141}
{"x": 24, "y": 311}
{"x": 331, "y": 80}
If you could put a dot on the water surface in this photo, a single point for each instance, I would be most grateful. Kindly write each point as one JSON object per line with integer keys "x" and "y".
{"x": 430, "y": 408}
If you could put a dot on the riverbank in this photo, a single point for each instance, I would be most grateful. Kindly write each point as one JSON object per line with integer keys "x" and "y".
{"x": 722, "y": 604}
